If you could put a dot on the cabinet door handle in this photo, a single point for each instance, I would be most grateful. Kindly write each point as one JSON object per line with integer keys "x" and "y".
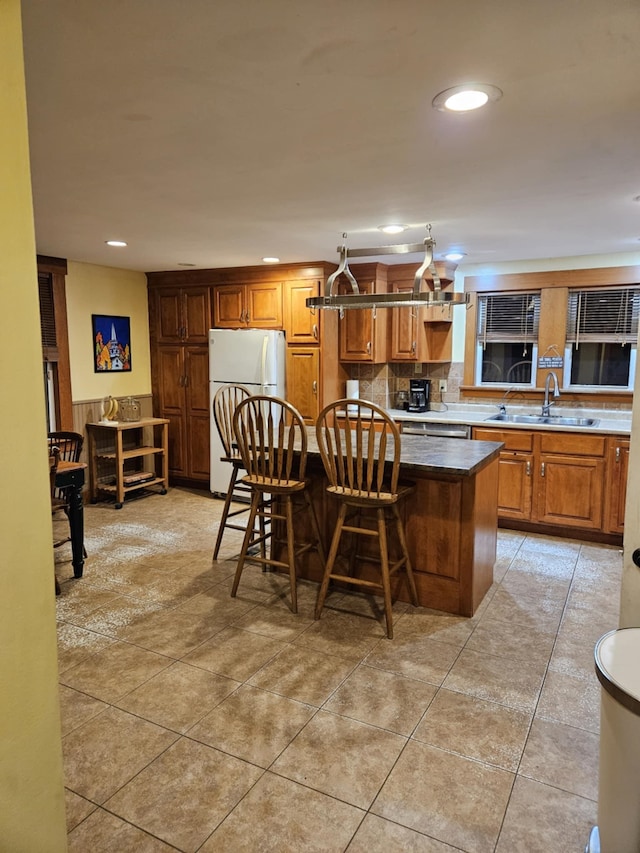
{"x": 247, "y": 318}
{"x": 542, "y": 470}
{"x": 368, "y": 347}
{"x": 314, "y": 329}
{"x": 314, "y": 387}
{"x": 528, "y": 469}
{"x": 617, "y": 454}
{"x": 413, "y": 348}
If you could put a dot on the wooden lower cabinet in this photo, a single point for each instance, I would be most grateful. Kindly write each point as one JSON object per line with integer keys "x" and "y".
{"x": 181, "y": 378}
{"x": 570, "y": 491}
{"x": 618, "y": 470}
{"x": 568, "y": 480}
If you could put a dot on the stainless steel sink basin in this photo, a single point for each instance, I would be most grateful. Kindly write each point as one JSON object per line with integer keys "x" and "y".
{"x": 553, "y": 420}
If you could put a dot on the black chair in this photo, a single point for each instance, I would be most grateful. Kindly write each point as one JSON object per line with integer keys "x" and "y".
{"x": 69, "y": 446}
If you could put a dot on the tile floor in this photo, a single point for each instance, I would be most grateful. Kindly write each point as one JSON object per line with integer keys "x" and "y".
{"x": 197, "y": 722}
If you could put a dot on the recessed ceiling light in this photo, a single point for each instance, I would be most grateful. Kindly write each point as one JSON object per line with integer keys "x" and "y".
{"x": 271, "y": 260}
{"x": 455, "y": 256}
{"x": 392, "y": 229}
{"x": 469, "y": 96}
{"x": 115, "y": 243}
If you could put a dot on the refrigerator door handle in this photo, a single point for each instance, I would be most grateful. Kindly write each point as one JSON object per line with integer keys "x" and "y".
{"x": 265, "y": 345}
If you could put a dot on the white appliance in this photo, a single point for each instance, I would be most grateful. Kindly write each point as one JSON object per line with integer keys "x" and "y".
{"x": 254, "y": 358}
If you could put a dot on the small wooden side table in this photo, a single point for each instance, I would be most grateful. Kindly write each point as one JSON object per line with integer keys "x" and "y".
{"x": 117, "y": 450}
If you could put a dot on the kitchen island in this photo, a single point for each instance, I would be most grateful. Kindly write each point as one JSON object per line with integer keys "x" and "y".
{"x": 450, "y": 520}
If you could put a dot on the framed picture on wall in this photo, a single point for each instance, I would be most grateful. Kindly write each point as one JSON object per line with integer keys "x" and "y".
{"x": 111, "y": 343}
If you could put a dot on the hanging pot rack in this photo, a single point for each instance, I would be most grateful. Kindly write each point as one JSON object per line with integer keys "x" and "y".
{"x": 415, "y": 298}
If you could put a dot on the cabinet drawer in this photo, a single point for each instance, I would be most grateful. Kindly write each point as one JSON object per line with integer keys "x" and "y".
{"x": 514, "y": 439}
{"x": 576, "y": 444}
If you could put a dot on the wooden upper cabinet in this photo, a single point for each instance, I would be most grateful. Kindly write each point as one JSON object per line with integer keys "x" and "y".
{"x": 183, "y": 314}
{"x": 256, "y": 306}
{"x": 363, "y": 331}
{"x": 302, "y": 324}
{"x": 420, "y": 334}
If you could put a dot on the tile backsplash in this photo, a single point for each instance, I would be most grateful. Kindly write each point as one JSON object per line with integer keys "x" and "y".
{"x": 380, "y": 382}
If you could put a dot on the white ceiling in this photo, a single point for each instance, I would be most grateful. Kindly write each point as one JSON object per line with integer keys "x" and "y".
{"x": 214, "y": 132}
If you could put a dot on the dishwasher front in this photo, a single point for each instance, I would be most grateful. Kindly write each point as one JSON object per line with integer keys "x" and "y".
{"x": 435, "y": 429}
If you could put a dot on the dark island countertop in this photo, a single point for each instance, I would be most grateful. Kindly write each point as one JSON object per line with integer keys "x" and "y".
{"x": 422, "y": 456}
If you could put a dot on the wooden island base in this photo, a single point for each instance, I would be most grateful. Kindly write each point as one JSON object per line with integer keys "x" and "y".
{"x": 451, "y": 522}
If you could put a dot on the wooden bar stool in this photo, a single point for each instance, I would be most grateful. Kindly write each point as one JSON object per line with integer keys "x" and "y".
{"x": 361, "y": 457}
{"x": 272, "y": 441}
{"x": 225, "y": 402}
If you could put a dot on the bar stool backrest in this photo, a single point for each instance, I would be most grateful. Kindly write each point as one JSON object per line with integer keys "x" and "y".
{"x": 360, "y": 447}
{"x": 225, "y": 402}
{"x": 272, "y": 439}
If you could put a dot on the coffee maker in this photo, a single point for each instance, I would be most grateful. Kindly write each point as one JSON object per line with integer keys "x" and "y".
{"x": 419, "y": 395}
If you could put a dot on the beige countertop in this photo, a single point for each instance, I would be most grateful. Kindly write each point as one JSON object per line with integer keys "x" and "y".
{"x": 610, "y": 421}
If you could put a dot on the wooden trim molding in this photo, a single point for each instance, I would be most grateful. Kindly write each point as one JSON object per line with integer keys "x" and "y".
{"x": 55, "y": 266}
{"x": 599, "y": 277}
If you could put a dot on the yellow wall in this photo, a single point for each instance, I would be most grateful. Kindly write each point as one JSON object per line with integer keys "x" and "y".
{"x": 31, "y": 782}
{"x": 94, "y": 289}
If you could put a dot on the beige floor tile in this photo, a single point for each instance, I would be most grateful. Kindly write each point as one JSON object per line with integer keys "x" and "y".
{"x": 114, "y": 618}
{"x": 81, "y": 598}
{"x": 587, "y": 626}
{"x": 278, "y": 815}
{"x": 279, "y": 624}
{"x": 456, "y": 800}
{"x": 106, "y": 752}
{"x": 303, "y": 674}
{"x": 77, "y": 708}
{"x": 217, "y": 605}
{"x": 115, "y": 671}
{"x": 475, "y": 728}
{"x": 104, "y": 833}
{"x": 177, "y": 697}
{"x": 535, "y": 585}
{"x": 76, "y": 808}
{"x": 571, "y": 700}
{"x": 171, "y": 633}
{"x": 253, "y": 724}
{"x": 553, "y": 546}
{"x": 509, "y": 640}
{"x": 529, "y": 611}
{"x": 444, "y": 627}
{"x": 76, "y": 644}
{"x": 562, "y": 756}
{"x": 508, "y": 682}
{"x": 382, "y": 699}
{"x": 234, "y": 653}
{"x": 541, "y": 818}
{"x": 340, "y": 757}
{"x": 376, "y": 835}
{"x": 572, "y": 657}
{"x": 415, "y": 656}
{"x": 345, "y": 635}
{"x": 185, "y": 793}
{"x": 546, "y": 563}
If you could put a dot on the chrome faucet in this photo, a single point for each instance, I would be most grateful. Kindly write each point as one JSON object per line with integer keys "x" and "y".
{"x": 546, "y": 406}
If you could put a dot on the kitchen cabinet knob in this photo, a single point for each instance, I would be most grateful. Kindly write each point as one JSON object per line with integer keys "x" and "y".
{"x": 314, "y": 329}
{"x": 528, "y": 469}
{"x": 542, "y": 470}
{"x": 617, "y": 454}
{"x": 368, "y": 347}
{"x": 314, "y": 386}
{"x": 186, "y": 381}
{"x": 413, "y": 348}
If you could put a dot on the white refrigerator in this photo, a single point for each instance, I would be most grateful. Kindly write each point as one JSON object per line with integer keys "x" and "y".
{"x": 251, "y": 357}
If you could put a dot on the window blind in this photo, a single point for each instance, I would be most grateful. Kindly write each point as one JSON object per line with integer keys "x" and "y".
{"x": 603, "y": 315}
{"x": 47, "y": 311}
{"x": 508, "y": 317}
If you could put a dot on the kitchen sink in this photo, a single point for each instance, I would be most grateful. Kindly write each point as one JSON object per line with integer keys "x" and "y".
{"x": 553, "y": 420}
